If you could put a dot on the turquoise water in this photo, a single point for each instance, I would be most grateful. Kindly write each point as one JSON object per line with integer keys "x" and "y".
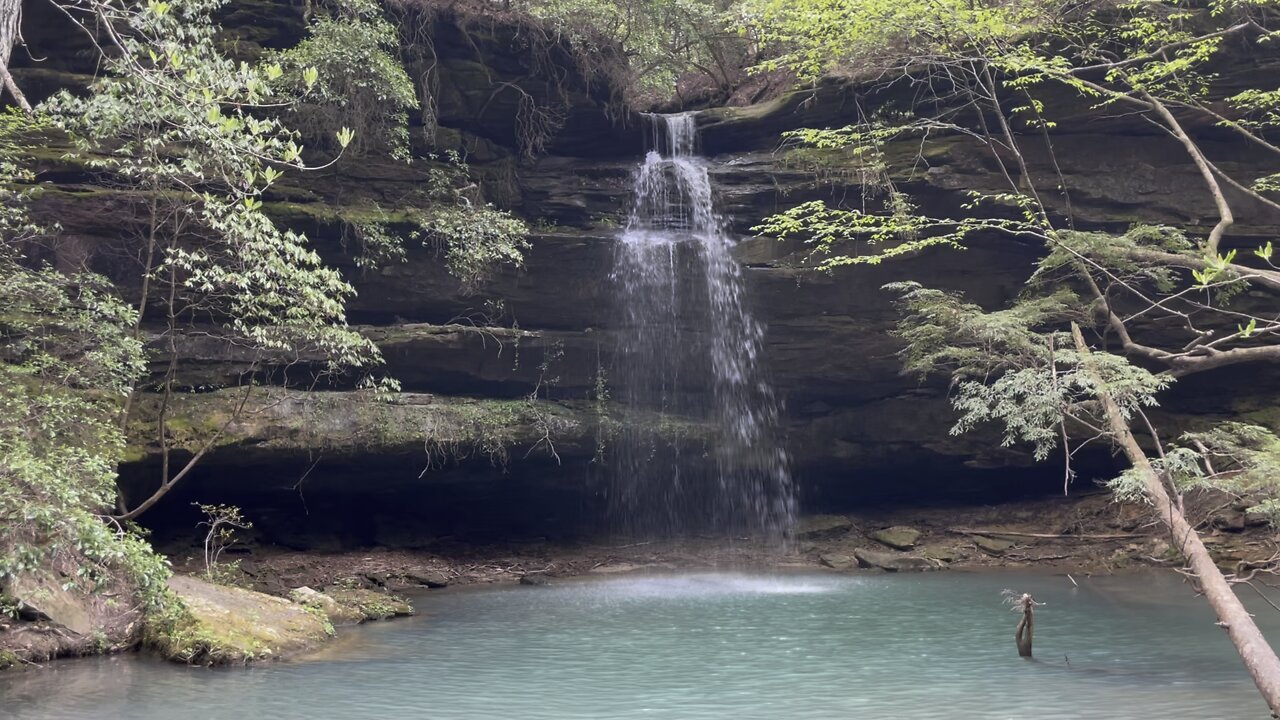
{"x": 702, "y": 646}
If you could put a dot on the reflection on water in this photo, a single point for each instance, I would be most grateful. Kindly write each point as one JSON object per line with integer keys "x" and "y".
{"x": 709, "y": 646}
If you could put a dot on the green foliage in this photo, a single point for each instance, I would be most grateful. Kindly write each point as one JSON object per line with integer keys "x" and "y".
{"x": 664, "y": 40}
{"x": 1118, "y": 254}
{"x": 888, "y": 224}
{"x": 379, "y": 244}
{"x": 1032, "y": 402}
{"x": 1239, "y": 459}
{"x": 981, "y": 56}
{"x": 347, "y": 76}
{"x": 605, "y": 425}
{"x": 221, "y": 522}
{"x": 834, "y": 231}
{"x": 943, "y": 333}
{"x": 474, "y": 239}
{"x": 812, "y": 37}
{"x": 174, "y": 117}
{"x": 67, "y": 359}
{"x": 1159, "y": 47}
{"x": 1011, "y": 367}
{"x": 198, "y": 136}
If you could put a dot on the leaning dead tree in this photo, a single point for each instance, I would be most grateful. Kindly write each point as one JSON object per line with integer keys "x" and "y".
{"x": 1259, "y": 658}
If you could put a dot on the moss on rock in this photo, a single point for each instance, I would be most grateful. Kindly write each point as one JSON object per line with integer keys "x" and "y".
{"x": 370, "y": 604}
{"x": 207, "y": 624}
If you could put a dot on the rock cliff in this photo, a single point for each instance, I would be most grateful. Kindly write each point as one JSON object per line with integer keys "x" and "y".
{"x": 499, "y": 427}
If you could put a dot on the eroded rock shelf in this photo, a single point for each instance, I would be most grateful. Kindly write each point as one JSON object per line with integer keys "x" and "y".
{"x": 501, "y": 415}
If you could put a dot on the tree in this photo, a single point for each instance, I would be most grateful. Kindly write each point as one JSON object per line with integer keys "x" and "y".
{"x": 345, "y": 74}
{"x": 665, "y": 41}
{"x": 196, "y": 138}
{"x": 997, "y": 73}
{"x": 10, "y": 15}
{"x": 67, "y": 358}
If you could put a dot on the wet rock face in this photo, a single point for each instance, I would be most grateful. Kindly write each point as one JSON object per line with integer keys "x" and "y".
{"x": 857, "y": 429}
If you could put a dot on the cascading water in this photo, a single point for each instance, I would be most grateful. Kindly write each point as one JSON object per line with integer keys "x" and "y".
{"x": 705, "y": 456}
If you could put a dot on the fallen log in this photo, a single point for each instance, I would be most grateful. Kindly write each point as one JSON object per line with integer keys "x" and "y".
{"x": 1047, "y": 536}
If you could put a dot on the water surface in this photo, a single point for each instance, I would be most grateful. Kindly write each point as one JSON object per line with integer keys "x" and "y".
{"x": 705, "y": 646}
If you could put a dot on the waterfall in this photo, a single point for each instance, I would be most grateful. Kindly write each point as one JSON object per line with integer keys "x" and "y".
{"x": 701, "y": 452}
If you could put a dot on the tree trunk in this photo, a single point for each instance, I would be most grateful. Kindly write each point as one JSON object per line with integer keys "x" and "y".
{"x": 1259, "y": 659}
{"x": 1026, "y": 626}
{"x": 10, "y": 17}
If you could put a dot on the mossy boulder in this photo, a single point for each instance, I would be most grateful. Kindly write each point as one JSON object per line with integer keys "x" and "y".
{"x": 337, "y": 613}
{"x": 209, "y": 624}
{"x": 369, "y": 604}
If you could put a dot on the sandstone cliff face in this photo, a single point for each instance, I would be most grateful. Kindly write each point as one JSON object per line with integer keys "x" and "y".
{"x": 465, "y": 450}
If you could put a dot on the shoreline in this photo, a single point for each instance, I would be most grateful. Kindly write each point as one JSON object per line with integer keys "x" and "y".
{"x": 1085, "y": 534}
{"x": 1081, "y": 536}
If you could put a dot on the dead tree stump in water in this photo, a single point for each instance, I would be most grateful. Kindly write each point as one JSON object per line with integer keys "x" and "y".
{"x": 1026, "y": 624}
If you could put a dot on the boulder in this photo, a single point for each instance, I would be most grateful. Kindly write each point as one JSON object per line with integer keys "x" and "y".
{"x": 336, "y": 612}
{"x": 893, "y": 562}
{"x": 429, "y": 578}
{"x": 898, "y": 537}
{"x": 992, "y": 545}
{"x": 370, "y": 604}
{"x": 219, "y": 625}
{"x": 943, "y": 554}
{"x": 821, "y": 527}
{"x": 837, "y": 561}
